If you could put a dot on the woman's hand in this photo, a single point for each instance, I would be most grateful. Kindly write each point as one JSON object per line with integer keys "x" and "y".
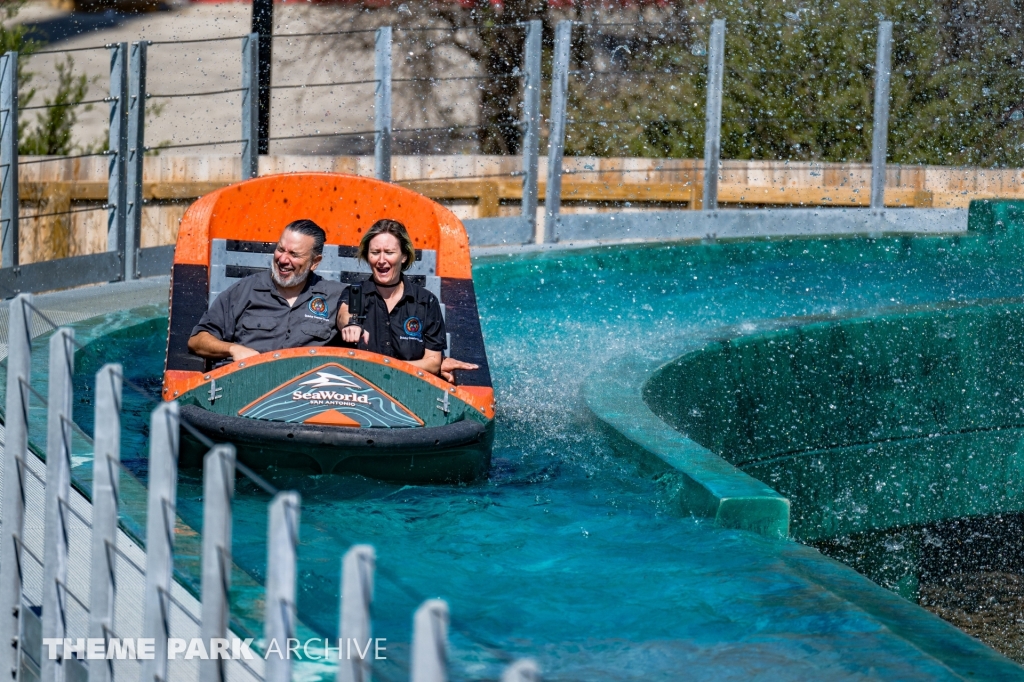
{"x": 449, "y": 365}
{"x": 353, "y": 332}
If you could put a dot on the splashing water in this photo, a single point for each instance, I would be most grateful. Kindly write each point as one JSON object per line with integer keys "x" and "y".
{"x": 568, "y": 552}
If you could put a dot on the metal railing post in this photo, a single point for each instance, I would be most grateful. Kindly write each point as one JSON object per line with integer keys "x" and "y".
{"x": 523, "y": 670}
{"x": 556, "y": 126}
{"x": 531, "y": 119}
{"x": 713, "y": 114}
{"x": 117, "y": 182}
{"x": 263, "y": 25}
{"x": 9, "y": 160}
{"x": 880, "y": 133}
{"x": 218, "y": 490}
{"x": 356, "y": 595}
{"x": 382, "y": 105}
{"x": 58, "y": 490}
{"x": 161, "y": 504}
{"x": 250, "y": 106}
{"x": 106, "y": 477}
{"x": 136, "y": 153}
{"x": 279, "y": 607}
{"x": 19, "y": 366}
{"x": 430, "y": 642}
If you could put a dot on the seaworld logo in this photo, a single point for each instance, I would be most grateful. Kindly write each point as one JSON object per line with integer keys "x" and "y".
{"x": 331, "y": 397}
{"x": 325, "y": 379}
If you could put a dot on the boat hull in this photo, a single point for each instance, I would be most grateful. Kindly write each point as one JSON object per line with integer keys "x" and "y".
{"x": 452, "y": 453}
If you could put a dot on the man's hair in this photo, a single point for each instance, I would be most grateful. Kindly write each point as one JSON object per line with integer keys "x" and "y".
{"x": 309, "y": 229}
{"x": 396, "y": 230}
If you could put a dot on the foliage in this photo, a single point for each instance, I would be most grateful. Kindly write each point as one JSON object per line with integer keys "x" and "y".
{"x": 799, "y": 84}
{"x": 51, "y": 132}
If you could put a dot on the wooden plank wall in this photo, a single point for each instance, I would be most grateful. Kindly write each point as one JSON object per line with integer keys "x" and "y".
{"x": 591, "y": 185}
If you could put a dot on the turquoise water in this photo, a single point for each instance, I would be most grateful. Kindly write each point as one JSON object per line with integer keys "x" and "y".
{"x": 568, "y": 552}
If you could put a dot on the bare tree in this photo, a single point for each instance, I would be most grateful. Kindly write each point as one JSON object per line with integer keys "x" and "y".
{"x": 480, "y": 43}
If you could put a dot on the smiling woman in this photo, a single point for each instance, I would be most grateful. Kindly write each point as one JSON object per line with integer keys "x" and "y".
{"x": 397, "y": 318}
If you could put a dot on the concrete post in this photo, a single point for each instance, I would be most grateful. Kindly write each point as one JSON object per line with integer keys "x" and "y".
{"x": 430, "y": 642}
{"x": 160, "y": 509}
{"x": 9, "y": 160}
{"x": 523, "y": 670}
{"x": 136, "y": 152}
{"x": 382, "y": 105}
{"x": 58, "y": 490}
{"x": 556, "y": 126}
{"x": 279, "y": 614}
{"x": 218, "y": 490}
{"x": 117, "y": 180}
{"x": 880, "y": 134}
{"x": 531, "y": 117}
{"x": 713, "y": 114}
{"x": 106, "y": 477}
{"x": 250, "y": 106}
{"x": 19, "y": 365}
{"x": 356, "y": 595}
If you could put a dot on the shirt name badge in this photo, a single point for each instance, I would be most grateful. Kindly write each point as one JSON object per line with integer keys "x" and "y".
{"x": 318, "y": 306}
{"x": 413, "y": 328}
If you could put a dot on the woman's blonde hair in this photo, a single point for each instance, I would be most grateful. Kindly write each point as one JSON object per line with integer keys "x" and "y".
{"x": 396, "y": 230}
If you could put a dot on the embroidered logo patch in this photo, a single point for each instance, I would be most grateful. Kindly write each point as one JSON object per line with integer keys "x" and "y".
{"x": 413, "y": 327}
{"x": 318, "y": 306}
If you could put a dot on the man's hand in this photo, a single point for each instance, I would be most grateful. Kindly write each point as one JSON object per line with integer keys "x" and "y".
{"x": 240, "y": 352}
{"x": 206, "y": 345}
{"x": 449, "y": 365}
{"x": 351, "y": 334}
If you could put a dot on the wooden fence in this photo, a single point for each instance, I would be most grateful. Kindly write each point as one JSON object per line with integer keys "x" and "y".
{"x": 484, "y": 186}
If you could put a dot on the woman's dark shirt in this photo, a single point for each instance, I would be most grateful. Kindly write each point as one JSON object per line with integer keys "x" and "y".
{"x": 413, "y": 325}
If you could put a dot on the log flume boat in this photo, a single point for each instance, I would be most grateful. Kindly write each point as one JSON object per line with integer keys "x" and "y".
{"x": 329, "y": 409}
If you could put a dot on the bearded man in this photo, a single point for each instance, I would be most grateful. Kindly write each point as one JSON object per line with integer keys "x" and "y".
{"x": 288, "y": 306}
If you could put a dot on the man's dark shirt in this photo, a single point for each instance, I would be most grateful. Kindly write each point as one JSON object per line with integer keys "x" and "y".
{"x": 413, "y": 325}
{"x": 252, "y": 312}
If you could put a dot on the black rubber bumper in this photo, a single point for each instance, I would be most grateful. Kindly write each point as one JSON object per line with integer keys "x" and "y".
{"x": 381, "y": 441}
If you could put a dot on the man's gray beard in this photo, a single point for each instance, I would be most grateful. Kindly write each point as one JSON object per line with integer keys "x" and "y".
{"x": 294, "y": 281}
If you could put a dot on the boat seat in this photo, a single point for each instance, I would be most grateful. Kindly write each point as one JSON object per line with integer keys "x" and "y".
{"x": 233, "y": 259}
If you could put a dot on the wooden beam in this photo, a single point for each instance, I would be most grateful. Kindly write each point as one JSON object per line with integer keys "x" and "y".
{"x": 488, "y": 194}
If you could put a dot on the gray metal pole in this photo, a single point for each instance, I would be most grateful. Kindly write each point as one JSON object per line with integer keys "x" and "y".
{"x": 19, "y": 366}
{"x": 523, "y": 670}
{"x": 713, "y": 114}
{"x": 9, "y": 160}
{"x": 160, "y": 508}
{"x": 531, "y": 117}
{"x": 58, "y": 490}
{"x": 117, "y": 180}
{"x": 356, "y": 595}
{"x": 250, "y": 106}
{"x": 430, "y": 642}
{"x": 106, "y": 483}
{"x": 382, "y": 105}
{"x": 556, "y": 126}
{"x": 218, "y": 490}
{"x": 880, "y": 134}
{"x": 279, "y": 606}
{"x": 136, "y": 152}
